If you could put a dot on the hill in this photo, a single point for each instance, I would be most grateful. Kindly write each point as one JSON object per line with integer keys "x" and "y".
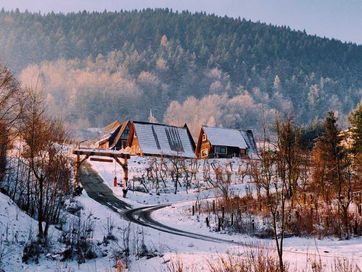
{"x": 199, "y": 68}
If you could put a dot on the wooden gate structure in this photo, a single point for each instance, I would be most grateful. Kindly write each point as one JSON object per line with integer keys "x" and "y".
{"x": 121, "y": 157}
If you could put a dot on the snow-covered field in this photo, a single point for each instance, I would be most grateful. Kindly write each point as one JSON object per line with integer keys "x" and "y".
{"x": 16, "y": 227}
{"x": 137, "y": 167}
{"x": 197, "y": 254}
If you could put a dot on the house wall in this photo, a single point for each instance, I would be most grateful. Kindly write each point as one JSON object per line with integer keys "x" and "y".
{"x": 230, "y": 152}
{"x": 104, "y": 145}
{"x": 124, "y": 141}
{"x": 204, "y": 147}
{"x": 205, "y": 150}
{"x": 133, "y": 142}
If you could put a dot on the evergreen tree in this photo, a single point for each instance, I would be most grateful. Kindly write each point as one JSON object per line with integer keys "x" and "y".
{"x": 332, "y": 172}
{"x": 355, "y": 119}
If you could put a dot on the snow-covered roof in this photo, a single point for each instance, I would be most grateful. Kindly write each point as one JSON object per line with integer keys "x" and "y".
{"x": 250, "y": 141}
{"x": 225, "y": 137}
{"x": 159, "y": 139}
{"x": 108, "y": 131}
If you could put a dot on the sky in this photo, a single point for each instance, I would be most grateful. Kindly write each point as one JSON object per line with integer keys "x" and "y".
{"x": 340, "y": 19}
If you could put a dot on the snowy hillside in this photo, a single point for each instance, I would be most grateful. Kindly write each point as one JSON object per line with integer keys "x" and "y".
{"x": 163, "y": 248}
{"x": 196, "y": 254}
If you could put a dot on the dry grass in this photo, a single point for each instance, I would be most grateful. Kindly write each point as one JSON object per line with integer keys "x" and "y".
{"x": 254, "y": 261}
{"x": 345, "y": 265}
{"x": 258, "y": 260}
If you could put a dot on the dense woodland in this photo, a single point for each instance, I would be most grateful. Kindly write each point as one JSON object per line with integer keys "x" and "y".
{"x": 203, "y": 69}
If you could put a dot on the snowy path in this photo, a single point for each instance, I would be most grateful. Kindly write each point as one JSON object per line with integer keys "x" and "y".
{"x": 154, "y": 217}
{"x": 142, "y": 216}
{"x": 100, "y": 192}
{"x": 96, "y": 189}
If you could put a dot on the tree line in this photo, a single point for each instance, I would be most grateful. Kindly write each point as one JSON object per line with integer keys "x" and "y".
{"x": 172, "y": 61}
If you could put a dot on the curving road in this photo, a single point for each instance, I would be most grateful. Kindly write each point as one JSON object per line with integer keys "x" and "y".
{"x": 142, "y": 216}
{"x": 100, "y": 192}
{"x": 94, "y": 185}
{"x": 96, "y": 189}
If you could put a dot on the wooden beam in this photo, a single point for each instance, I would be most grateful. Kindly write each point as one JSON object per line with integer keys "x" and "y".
{"x": 119, "y": 156}
{"x": 101, "y": 159}
{"x": 83, "y": 160}
{"x": 101, "y": 153}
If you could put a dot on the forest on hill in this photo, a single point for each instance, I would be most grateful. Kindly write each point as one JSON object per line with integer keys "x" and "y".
{"x": 186, "y": 67}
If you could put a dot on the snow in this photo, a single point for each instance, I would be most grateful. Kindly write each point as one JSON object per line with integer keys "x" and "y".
{"x": 225, "y": 137}
{"x": 15, "y": 229}
{"x": 160, "y": 139}
{"x": 194, "y": 254}
{"x": 326, "y": 248}
{"x": 137, "y": 167}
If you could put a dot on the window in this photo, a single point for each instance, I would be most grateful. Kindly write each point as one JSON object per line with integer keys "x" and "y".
{"x": 220, "y": 149}
{"x": 204, "y": 153}
{"x": 204, "y": 137}
{"x": 123, "y": 143}
{"x": 125, "y": 133}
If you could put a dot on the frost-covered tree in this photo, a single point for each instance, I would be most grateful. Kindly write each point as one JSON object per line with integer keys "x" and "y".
{"x": 10, "y": 112}
{"x": 43, "y": 153}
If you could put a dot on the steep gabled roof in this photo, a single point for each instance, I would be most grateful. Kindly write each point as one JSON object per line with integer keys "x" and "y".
{"x": 119, "y": 134}
{"x": 225, "y": 137}
{"x": 160, "y": 139}
{"x": 109, "y": 130}
{"x": 250, "y": 141}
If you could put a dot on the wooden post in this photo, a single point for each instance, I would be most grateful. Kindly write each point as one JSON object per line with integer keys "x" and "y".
{"x": 193, "y": 210}
{"x": 102, "y": 153}
{"x": 213, "y": 206}
{"x": 125, "y": 180}
{"x": 124, "y": 166}
{"x": 207, "y": 222}
{"x": 76, "y": 169}
{"x": 232, "y": 219}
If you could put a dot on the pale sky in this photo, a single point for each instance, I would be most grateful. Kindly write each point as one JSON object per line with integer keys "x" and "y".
{"x": 340, "y": 19}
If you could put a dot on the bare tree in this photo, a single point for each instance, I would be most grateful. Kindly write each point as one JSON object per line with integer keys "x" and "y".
{"x": 289, "y": 154}
{"x": 43, "y": 152}
{"x": 10, "y": 112}
{"x": 223, "y": 179}
{"x": 176, "y": 169}
{"x": 273, "y": 176}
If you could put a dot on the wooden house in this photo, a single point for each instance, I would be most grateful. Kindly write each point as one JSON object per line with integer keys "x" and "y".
{"x": 225, "y": 143}
{"x": 121, "y": 138}
{"x": 109, "y": 134}
{"x": 153, "y": 139}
